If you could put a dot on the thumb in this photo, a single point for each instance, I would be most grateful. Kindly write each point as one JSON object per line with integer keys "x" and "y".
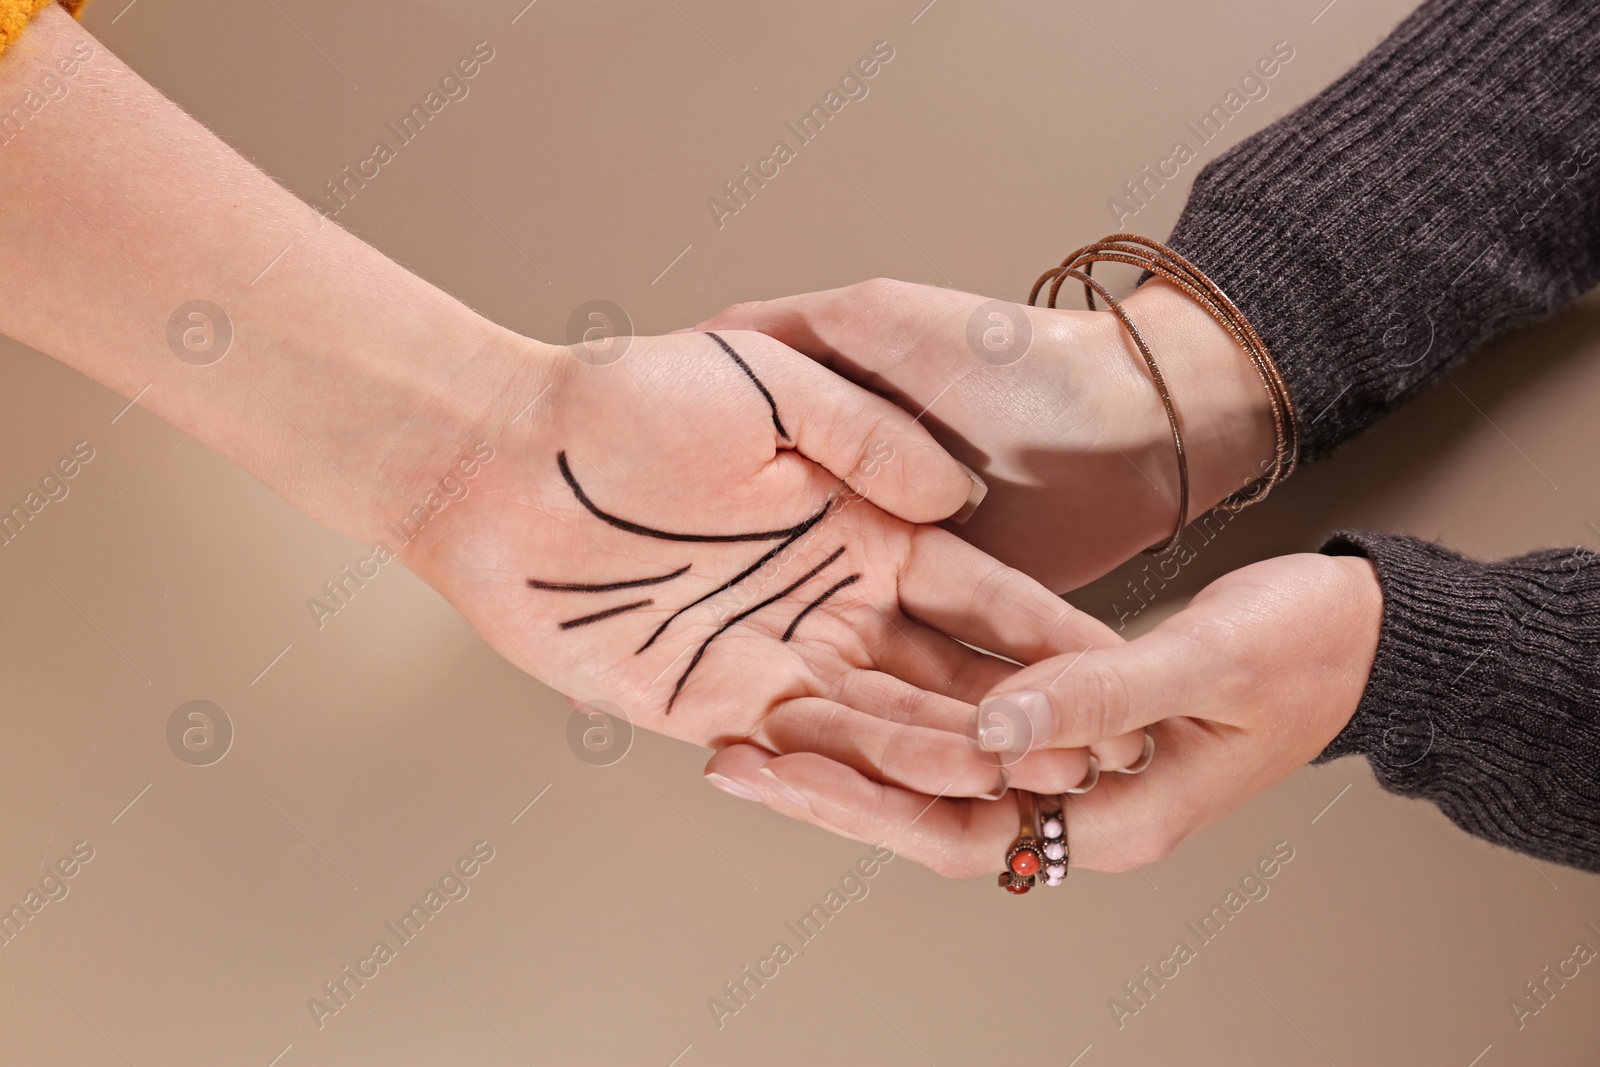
{"x": 879, "y": 450}
{"x": 1092, "y": 696}
{"x": 805, "y": 322}
{"x": 909, "y": 336}
{"x": 857, "y": 330}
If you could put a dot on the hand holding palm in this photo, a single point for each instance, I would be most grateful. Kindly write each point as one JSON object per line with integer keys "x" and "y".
{"x": 701, "y": 533}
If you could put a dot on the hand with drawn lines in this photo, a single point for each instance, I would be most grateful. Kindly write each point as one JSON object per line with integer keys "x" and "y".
{"x": 714, "y": 533}
{"x": 722, "y": 538}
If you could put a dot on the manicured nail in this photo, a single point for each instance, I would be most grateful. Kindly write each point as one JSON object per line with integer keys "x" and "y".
{"x": 1090, "y": 777}
{"x": 1015, "y": 722}
{"x": 733, "y": 788}
{"x": 974, "y": 496}
{"x": 686, "y": 329}
{"x": 784, "y": 789}
{"x": 1149, "y": 753}
{"x": 1000, "y": 788}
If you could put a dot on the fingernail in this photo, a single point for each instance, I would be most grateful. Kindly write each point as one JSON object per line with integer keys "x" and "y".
{"x": 1000, "y": 789}
{"x": 1149, "y": 753}
{"x": 686, "y": 329}
{"x": 1090, "y": 777}
{"x": 1015, "y": 722}
{"x": 733, "y": 788}
{"x": 974, "y": 496}
{"x": 784, "y": 789}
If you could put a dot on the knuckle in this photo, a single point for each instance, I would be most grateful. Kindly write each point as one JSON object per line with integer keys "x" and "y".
{"x": 997, "y": 584}
{"x": 880, "y": 425}
{"x": 739, "y": 312}
{"x": 885, "y": 752}
{"x": 1055, "y": 621}
{"x": 821, "y": 729}
{"x": 1066, "y": 623}
{"x": 1058, "y": 770}
{"x": 922, "y": 760}
{"x": 855, "y": 438}
{"x": 1099, "y": 703}
{"x": 878, "y": 290}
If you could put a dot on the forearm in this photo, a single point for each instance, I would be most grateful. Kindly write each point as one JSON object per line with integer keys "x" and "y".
{"x": 1484, "y": 696}
{"x": 119, "y": 209}
{"x": 1445, "y": 190}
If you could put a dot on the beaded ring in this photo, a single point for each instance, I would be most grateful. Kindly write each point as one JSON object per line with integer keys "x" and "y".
{"x": 1053, "y": 829}
{"x": 1025, "y": 858}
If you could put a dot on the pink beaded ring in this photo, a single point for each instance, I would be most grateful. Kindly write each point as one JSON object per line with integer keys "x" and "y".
{"x": 1039, "y": 855}
{"x": 1053, "y": 831}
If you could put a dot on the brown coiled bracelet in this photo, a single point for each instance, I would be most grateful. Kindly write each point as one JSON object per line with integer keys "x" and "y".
{"x": 1159, "y": 260}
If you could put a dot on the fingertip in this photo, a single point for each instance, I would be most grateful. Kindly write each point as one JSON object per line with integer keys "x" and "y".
{"x": 739, "y": 316}
{"x": 737, "y": 761}
{"x": 746, "y": 771}
{"x": 1015, "y": 721}
{"x": 954, "y": 587}
{"x": 929, "y": 485}
{"x": 783, "y": 789}
{"x": 732, "y": 786}
{"x": 975, "y": 495}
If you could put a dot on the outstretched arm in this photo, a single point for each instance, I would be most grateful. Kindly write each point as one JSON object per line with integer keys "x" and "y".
{"x": 150, "y": 256}
{"x": 709, "y": 532}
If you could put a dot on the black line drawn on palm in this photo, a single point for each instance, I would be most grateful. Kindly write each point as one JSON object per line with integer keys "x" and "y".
{"x": 619, "y": 601}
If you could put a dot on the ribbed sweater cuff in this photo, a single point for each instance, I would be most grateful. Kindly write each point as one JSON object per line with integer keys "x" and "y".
{"x": 1444, "y": 191}
{"x": 1483, "y": 694}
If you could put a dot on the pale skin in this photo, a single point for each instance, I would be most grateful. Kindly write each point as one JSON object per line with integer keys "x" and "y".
{"x": 1246, "y": 684}
{"x": 352, "y": 387}
{"x": 1070, "y": 438}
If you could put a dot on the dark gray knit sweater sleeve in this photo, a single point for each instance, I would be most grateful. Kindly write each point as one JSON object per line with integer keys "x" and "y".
{"x": 1485, "y": 694}
{"x": 1443, "y": 191}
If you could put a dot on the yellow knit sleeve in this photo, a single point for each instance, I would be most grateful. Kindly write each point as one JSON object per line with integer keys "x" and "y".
{"x": 16, "y": 14}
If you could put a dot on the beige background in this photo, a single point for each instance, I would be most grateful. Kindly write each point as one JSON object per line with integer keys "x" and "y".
{"x": 375, "y": 752}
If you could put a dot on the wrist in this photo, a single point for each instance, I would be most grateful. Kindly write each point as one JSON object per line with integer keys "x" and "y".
{"x": 1222, "y": 404}
{"x": 353, "y": 387}
{"x": 404, "y": 405}
{"x": 428, "y": 410}
{"x": 232, "y": 310}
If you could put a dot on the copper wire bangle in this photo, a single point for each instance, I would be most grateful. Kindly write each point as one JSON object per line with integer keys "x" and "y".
{"x": 1159, "y": 260}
